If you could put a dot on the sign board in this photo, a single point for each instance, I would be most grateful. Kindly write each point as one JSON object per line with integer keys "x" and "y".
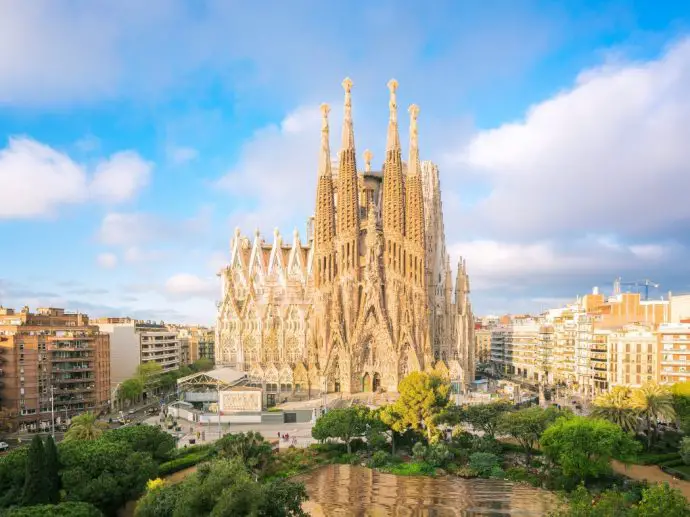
{"x": 240, "y": 401}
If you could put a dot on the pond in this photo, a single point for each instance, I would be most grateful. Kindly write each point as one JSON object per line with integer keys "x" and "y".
{"x": 344, "y": 490}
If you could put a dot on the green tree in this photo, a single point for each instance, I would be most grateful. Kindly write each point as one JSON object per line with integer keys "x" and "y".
{"x": 36, "y": 490}
{"x": 104, "y": 473}
{"x": 423, "y": 397}
{"x": 71, "y": 509}
{"x": 391, "y": 420}
{"x": 653, "y": 402}
{"x": 52, "y": 470}
{"x": 148, "y": 370}
{"x": 12, "y": 476}
{"x": 250, "y": 448}
{"x": 159, "y": 501}
{"x": 131, "y": 389}
{"x": 617, "y": 406}
{"x": 583, "y": 447}
{"x": 283, "y": 498}
{"x": 680, "y": 394}
{"x": 527, "y": 426}
{"x": 663, "y": 501}
{"x": 203, "y": 364}
{"x": 581, "y": 503}
{"x": 144, "y": 438}
{"x": 344, "y": 424}
{"x": 85, "y": 427}
{"x": 485, "y": 417}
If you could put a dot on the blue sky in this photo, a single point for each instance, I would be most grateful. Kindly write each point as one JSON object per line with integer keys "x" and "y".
{"x": 134, "y": 137}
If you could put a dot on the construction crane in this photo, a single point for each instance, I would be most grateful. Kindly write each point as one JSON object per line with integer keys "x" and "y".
{"x": 646, "y": 284}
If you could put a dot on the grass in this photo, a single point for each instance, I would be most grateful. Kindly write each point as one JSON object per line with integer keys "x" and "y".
{"x": 409, "y": 469}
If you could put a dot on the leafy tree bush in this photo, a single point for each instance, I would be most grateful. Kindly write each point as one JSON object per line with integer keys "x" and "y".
{"x": 379, "y": 459}
{"x": 183, "y": 462}
{"x": 663, "y": 501}
{"x": 56, "y": 510}
{"x": 250, "y": 448}
{"x": 484, "y": 463}
{"x": 485, "y": 417}
{"x": 344, "y": 424}
{"x": 36, "y": 489}
{"x": 104, "y": 473}
{"x": 527, "y": 426}
{"x": 685, "y": 450}
{"x": 223, "y": 487}
{"x": 144, "y": 438}
{"x": 419, "y": 451}
{"x": 52, "y": 471}
{"x": 583, "y": 447}
{"x": 438, "y": 455}
{"x": 423, "y": 398}
{"x": 12, "y": 475}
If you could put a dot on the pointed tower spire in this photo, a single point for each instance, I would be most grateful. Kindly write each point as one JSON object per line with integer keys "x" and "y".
{"x": 393, "y": 140}
{"x": 324, "y": 218}
{"x": 348, "y": 131}
{"x": 347, "y": 218}
{"x": 368, "y": 155}
{"x": 414, "y": 207}
{"x": 325, "y": 157}
{"x": 393, "y": 202}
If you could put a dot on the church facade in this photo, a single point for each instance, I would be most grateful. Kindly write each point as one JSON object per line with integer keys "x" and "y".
{"x": 369, "y": 297}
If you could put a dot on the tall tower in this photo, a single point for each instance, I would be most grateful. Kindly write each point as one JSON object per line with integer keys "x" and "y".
{"x": 348, "y": 193}
{"x": 414, "y": 209}
{"x": 393, "y": 211}
{"x": 324, "y": 220}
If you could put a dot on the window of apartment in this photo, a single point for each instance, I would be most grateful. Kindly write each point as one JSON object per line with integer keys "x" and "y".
{"x": 638, "y": 348}
{"x": 627, "y": 348}
{"x": 639, "y": 368}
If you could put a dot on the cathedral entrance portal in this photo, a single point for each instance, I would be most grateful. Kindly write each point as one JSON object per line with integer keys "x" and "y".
{"x": 376, "y": 384}
{"x": 336, "y": 386}
{"x": 366, "y": 383}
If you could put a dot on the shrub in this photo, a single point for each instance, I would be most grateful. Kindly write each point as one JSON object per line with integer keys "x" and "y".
{"x": 483, "y": 463}
{"x": 419, "y": 451}
{"x": 438, "y": 455}
{"x": 71, "y": 509}
{"x": 377, "y": 440}
{"x": 522, "y": 475}
{"x": 486, "y": 444}
{"x": 685, "y": 450}
{"x": 181, "y": 463}
{"x": 379, "y": 459}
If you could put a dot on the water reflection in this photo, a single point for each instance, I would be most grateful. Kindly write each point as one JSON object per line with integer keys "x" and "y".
{"x": 344, "y": 490}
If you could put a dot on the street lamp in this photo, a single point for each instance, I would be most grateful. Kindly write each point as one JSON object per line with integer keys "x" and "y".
{"x": 52, "y": 411}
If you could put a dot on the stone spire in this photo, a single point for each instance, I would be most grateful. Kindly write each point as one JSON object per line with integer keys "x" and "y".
{"x": 324, "y": 220}
{"x": 414, "y": 206}
{"x": 393, "y": 205}
{"x": 393, "y": 139}
{"x": 368, "y": 155}
{"x": 348, "y": 131}
{"x": 347, "y": 218}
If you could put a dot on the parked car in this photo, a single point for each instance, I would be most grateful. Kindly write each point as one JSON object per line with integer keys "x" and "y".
{"x": 4, "y": 446}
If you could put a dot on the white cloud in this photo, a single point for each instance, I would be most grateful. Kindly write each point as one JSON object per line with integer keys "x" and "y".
{"x": 127, "y": 229}
{"x": 184, "y": 285}
{"x": 107, "y": 260}
{"x": 602, "y": 155}
{"x": 121, "y": 177}
{"x": 179, "y": 155}
{"x": 136, "y": 254}
{"x": 37, "y": 179}
{"x": 494, "y": 264}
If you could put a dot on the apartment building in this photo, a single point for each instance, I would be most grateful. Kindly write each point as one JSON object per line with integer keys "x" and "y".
{"x": 482, "y": 337}
{"x": 134, "y": 342}
{"x": 51, "y": 353}
{"x": 674, "y": 352}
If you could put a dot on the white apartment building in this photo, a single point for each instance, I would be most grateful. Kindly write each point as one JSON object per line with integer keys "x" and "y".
{"x": 134, "y": 342}
{"x": 674, "y": 339}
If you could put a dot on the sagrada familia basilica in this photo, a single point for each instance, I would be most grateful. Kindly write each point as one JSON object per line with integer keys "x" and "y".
{"x": 368, "y": 298}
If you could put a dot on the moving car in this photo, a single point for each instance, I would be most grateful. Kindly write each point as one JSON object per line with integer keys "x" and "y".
{"x": 4, "y": 446}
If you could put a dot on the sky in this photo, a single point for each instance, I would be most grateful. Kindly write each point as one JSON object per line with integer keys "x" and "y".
{"x": 135, "y": 136}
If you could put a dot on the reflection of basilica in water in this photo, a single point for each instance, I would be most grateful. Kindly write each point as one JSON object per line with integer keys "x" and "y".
{"x": 369, "y": 297}
{"x": 351, "y": 490}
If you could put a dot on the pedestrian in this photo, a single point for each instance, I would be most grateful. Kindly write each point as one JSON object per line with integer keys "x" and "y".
{"x": 279, "y": 437}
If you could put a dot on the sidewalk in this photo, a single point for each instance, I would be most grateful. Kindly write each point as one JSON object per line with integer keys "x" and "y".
{"x": 651, "y": 473}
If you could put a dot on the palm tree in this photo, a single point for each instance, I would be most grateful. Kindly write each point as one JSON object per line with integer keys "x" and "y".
{"x": 85, "y": 427}
{"x": 653, "y": 402}
{"x": 616, "y": 406}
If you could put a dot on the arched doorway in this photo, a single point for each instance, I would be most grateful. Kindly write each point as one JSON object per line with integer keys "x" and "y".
{"x": 336, "y": 387}
{"x": 376, "y": 383}
{"x": 367, "y": 383}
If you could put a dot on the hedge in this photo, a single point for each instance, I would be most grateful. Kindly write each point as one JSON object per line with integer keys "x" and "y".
{"x": 172, "y": 466}
{"x": 655, "y": 459}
